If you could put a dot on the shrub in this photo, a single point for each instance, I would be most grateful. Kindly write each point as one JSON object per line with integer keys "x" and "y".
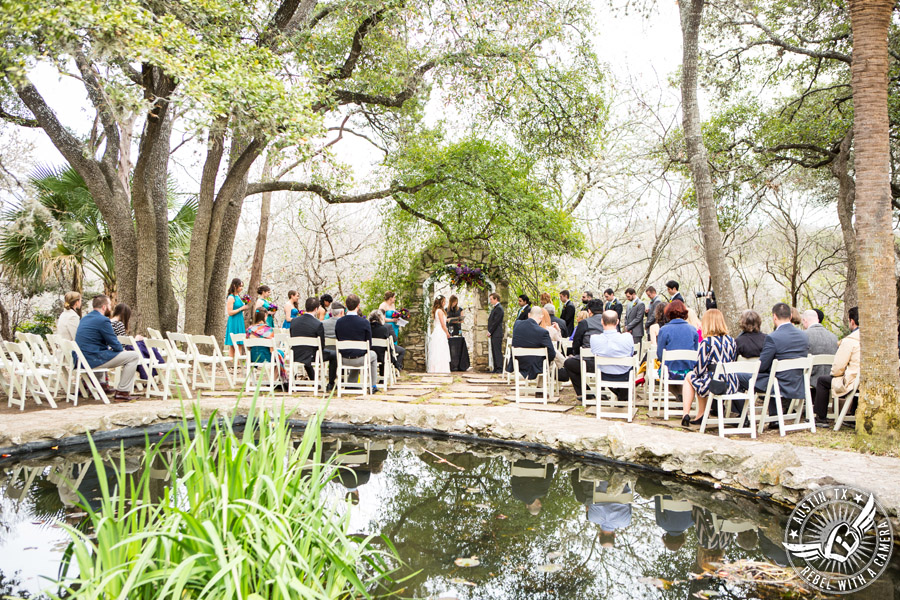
{"x": 41, "y": 323}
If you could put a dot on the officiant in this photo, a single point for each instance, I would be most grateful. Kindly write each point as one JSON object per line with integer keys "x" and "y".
{"x": 459, "y": 350}
{"x": 454, "y": 316}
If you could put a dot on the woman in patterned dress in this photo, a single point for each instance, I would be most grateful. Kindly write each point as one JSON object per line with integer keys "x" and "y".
{"x": 717, "y": 347}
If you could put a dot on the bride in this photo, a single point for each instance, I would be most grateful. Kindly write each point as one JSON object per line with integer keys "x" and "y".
{"x": 439, "y": 345}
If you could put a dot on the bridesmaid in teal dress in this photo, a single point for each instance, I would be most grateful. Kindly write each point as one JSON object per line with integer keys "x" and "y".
{"x": 292, "y": 309}
{"x": 263, "y": 302}
{"x": 235, "y": 308}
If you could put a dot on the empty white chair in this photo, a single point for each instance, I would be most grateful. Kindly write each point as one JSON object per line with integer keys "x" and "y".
{"x": 724, "y": 401}
{"x": 149, "y": 383}
{"x": 615, "y": 406}
{"x": 664, "y": 394}
{"x": 363, "y": 385}
{"x": 587, "y": 376}
{"x": 155, "y": 334}
{"x": 840, "y": 406}
{"x": 167, "y": 367}
{"x": 213, "y": 361}
{"x": 543, "y": 376}
{"x": 797, "y": 405}
{"x": 40, "y": 382}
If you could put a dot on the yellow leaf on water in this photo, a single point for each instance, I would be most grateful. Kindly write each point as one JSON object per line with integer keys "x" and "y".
{"x": 549, "y": 568}
{"x": 467, "y": 562}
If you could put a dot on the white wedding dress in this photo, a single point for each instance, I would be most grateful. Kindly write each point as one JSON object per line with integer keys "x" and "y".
{"x": 439, "y": 346}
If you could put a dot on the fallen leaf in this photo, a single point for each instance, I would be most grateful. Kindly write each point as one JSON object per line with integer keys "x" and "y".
{"x": 553, "y": 555}
{"x": 461, "y": 581}
{"x": 704, "y": 594}
{"x": 502, "y": 516}
{"x": 656, "y": 582}
{"x": 485, "y": 506}
{"x": 467, "y": 562}
{"x": 549, "y": 568}
{"x": 473, "y": 490}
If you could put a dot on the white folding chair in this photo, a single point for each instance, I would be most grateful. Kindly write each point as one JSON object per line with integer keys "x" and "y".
{"x": 295, "y": 368}
{"x": 167, "y": 367}
{"x": 797, "y": 405}
{"x": 182, "y": 348}
{"x": 81, "y": 376}
{"x": 724, "y": 401}
{"x": 213, "y": 361}
{"x": 268, "y": 367}
{"x": 842, "y": 413}
{"x": 588, "y": 377}
{"x": 34, "y": 380}
{"x": 241, "y": 357}
{"x": 651, "y": 378}
{"x": 615, "y": 405}
{"x": 149, "y": 384}
{"x": 544, "y": 375}
{"x": 665, "y": 394}
{"x": 364, "y": 385}
{"x": 386, "y": 376}
{"x": 820, "y": 360}
{"x": 155, "y": 334}
{"x": 507, "y": 358}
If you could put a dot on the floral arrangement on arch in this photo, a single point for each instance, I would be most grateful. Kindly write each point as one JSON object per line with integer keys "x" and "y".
{"x": 463, "y": 275}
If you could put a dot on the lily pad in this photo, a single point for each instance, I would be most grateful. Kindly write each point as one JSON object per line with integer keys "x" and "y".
{"x": 467, "y": 562}
{"x": 549, "y": 568}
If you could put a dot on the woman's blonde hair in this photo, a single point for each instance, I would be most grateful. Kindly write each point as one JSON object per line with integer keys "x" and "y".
{"x": 581, "y": 316}
{"x": 438, "y": 304}
{"x": 70, "y": 299}
{"x": 713, "y": 323}
{"x": 545, "y": 318}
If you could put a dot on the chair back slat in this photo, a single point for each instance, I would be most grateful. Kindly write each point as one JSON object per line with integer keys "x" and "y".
{"x": 351, "y": 345}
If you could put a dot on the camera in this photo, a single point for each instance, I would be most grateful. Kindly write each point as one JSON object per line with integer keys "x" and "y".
{"x": 705, "y": 294}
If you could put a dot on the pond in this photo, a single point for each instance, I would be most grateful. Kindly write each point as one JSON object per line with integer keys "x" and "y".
{"x": 470, "y": 521}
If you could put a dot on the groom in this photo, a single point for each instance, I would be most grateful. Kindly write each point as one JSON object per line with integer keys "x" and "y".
{"x": 495, "y": 330}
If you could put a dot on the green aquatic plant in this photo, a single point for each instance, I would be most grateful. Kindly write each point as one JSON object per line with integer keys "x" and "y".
{"x": 245, "y": 517}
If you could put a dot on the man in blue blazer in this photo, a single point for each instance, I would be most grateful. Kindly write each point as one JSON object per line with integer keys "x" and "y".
{"x": 102, "y": 350}
{"x": 528, "y": 334}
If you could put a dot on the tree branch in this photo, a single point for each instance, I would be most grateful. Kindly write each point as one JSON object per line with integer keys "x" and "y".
{"x": 356, "y": 45}
{"x": 332, "y": 197}
{"x": 104, "y": 109}
{"x": 18, "y": 120}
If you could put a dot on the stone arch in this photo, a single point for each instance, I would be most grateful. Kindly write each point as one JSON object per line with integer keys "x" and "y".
{"x": 428, "y": 263}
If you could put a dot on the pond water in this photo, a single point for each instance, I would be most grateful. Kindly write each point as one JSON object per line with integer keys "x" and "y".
{"x": 539, "y": 526}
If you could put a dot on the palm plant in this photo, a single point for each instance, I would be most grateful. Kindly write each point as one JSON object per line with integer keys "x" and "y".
{"x": 58, "y": 233}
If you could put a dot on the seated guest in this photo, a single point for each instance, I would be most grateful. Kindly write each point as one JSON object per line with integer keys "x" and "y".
{"x": 551, "y": 311}
{"x": 611, "y": 344}
{"x": 260, "y": 328}
{"x": 529, "y": 334}
{"x": 354, "y": 328}
{"x": 844, "y": 371}
{"x": 556, "y": 335}
{"x": 749, "y": 343}
{"x": 307, "y": 325}
{"x": 821, "y": 341}
{"x": 121, "y": 316}
{"x": 659, "y": 319}
{"x": 579, "y": 317}
{"x": 717, "y": 347}
{"x": 586, "y": 328}
{"x": 102, "y": 350}
{"x": 785, "y": 342}
{"x": 380, "y": 331}
{"x": 694, "y": 320}
{"x": 67, "y": 323}
{"x": 678, "y": 334}
{"x": 337, "y": 311}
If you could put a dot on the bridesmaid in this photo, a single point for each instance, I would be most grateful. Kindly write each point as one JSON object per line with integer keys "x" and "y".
{"x": 324, "y": 304}
{"x": 235, "y": 308}
{"x": 292, "y": 309}
{"x": 264, "y": 292}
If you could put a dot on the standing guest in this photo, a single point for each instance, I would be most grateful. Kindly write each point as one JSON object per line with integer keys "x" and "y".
{"x": 529, "y": 334}
{"x": 678, "y": 334}
{"x": 694, "y": 320}
{"x": 717, "y": 347}
{"x": 353, "y": 327}
{"x": 307, "y": 325}
{"x": 612, "y": 344}
{"x": 545, "y": 299}
{"x": 454, "y": 316}
{"x": 586, "y": 298}
{"x": 391, "y": 317}
{"x": 260, "y": 328}
{"x": 612, "y": 304}
{"x": 749, "y": 343}
{"x": 634, "y": 317}
{"x": 263, "y": 303}
{"x": 821, "y": 341}
{"x": 380, "y": 331}
{"x": 291, "y": 309}
{"x": 844, "y": 371}
{"x": 67, "y": 323}
{"x": 235, "y": 308}
{"x": 322, "y": 312}
{"x": 102, "y": 350}
{"x": 659, "y": 320}
{"x": 524, "y": 307}
{"x": 592, "y": 325}
{"x": 650, "y": 309}
{"x": 439, "y": 342}
{"x": 337, "y": 312}
{"x": 551, "y": 311}
{"x": 567, "y": 311}
{"x": 495, "y": 331}
{"x": 672, "y": 288}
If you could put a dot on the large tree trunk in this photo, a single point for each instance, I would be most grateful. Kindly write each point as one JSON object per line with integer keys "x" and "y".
{"x": 259, "y": 251}
{"x": 719, "y": 271}
{"x": 840, "y": 168}
{"x": 878, "y": 414}
{"x": 5, "y": 331}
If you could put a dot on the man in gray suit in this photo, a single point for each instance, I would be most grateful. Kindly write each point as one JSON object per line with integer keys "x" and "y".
{"x": 821, "y": 341}
{"x": 655, "y": 300}
{"x": 495, "y": 331}
{"x": 634, "y": 318}
{"x": 337, "y": 311}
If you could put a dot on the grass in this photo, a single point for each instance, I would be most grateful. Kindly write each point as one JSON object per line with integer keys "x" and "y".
{"x": 246, "y": 518}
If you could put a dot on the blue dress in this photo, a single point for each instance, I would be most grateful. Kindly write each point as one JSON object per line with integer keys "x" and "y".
{"x": 270, "y": 319}
{"x": 295, "y": 312}
{"x": 235, "y": 321}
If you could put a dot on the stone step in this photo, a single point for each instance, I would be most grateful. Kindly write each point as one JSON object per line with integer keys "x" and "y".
{"x": 465, "y": 395}
{"x": 557, "y": 408}
{"x": 460, "y": 401}
{"x": 530, "y": 399}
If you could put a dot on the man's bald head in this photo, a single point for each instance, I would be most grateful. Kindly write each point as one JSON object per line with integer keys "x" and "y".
{"x": 610, "y": 319}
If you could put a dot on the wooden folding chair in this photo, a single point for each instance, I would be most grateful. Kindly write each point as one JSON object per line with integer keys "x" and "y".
{"x": 149, "y": 383}
{"x": 166, "y": 368}
{"x": 213, "y": 361}
{"x": 665, "y": 394}
{"x": 295, "y": 368}
{"x": 797, "y": 405}
{"x": 842, "y": 413}
{"x": 343, "y": 369}
{"x": 268, "y": 368}
{"x": 615, "y": 405}
{"x": 544, "y": 376}
{"x": 81, "y": 376}
{"x": 724, "y": 401}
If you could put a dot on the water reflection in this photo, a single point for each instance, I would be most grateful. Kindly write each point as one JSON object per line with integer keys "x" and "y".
{"x": 539, "y": 526}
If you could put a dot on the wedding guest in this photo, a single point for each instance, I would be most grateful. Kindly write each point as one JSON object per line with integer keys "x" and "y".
{"x": 529, "y": 334}
{"x": 678, "y": 334}
{"x": 337, "y": 312}
{"x": 659, "y": 319}
{"x": 524, "y": 307}
{"x": 234, "y": 308}
{"x": 634, "y": 316}
{"x": 844, "y": 372}
{"x": 586, "y": 298}
{"x": 821, "y": 341}
{"x": 555, "y": 334}
{"x": 795, "y": 317}
{"x": 323, "y": 311}
{"x": 613, "y": 304}
{"x": 551, "y": 310}
{"x": 694, "y": 320}
{"x": 307, "y": 325}
{"x": 749, "y": 343}
{"x": 717, "y": 347}
{"x": 454, "y": 316}
{"x": 609, "y": 343}
{"x": 67, "y": 323}
{"x": 355, "y": 328}
{"x": 291, "y": 309}
{"x": 120, "y": 319}
{"x": 582, "y": 339}
{"x": 567, "y": 311}
{"x": 545, "y": 299}
{"x": 260, "y": 328}
{"x": 380, "y": 331}
{"x": 263, "y": 293}
{"x": 672, "y": 288}
{"x": 650, "y": 309}
{"x": 102, "y": 350}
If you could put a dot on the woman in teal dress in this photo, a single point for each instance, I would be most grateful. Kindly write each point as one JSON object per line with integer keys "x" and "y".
{"x": 235, "y": 308}
{"x": 292, "y": 309}
{"x": 263, "y": 302}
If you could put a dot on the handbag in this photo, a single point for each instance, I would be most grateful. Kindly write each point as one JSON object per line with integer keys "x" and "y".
{"x": 717, "y": 387}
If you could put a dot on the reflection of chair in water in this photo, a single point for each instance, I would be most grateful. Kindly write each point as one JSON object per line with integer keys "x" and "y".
{"x": 357, "y": 463}
{"x": 675, "y": 518}
{"x": 28, "y": 475}
{"x": 68, "y": 478}
{"x": 607, "y": 506}
{"x": 530, "y": 481}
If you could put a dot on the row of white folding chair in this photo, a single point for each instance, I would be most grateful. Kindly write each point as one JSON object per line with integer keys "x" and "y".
{"x": 839, "y": 412}
{"x": 81, "y": 379}
{"x": 202, "y": 360}
{"x": 724, "y": 402}
{"x": 613, "y": 409}
{"x": 363, "y": 385}
{"x": 388, "y": 374}
{"x": 174, "y": 362}
{"x": 148, "y": 382}
{"x": 25, "y": 378}
{"x": 664, "y": 393}
{"x": 544, "y": 377}
{"x": 797, "y": 405}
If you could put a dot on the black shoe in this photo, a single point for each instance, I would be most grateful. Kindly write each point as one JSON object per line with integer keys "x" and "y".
{"x": 686, "y": 421}
{"x": 773, "y": 425}
{"x": 825, "y": 423}
{"x": 697, "y": 421}
{"x": 330, "y": 388}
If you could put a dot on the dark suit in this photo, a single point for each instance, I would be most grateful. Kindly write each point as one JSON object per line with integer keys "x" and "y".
{"x": 651, "y": 312}
{"x": 528, "y": 334}
{"x": 563, "y": 328}
{"x": 306, "y": 325}
{"x": 785, "y": 342}
{"x": 634, "y": 320}
{"x": 523, "y": 312}
{"x": 616, "y": 306}
{"x": 568, "y": 316}
{"x": 677, "y": 296}
{"x": 495, "y": 330}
